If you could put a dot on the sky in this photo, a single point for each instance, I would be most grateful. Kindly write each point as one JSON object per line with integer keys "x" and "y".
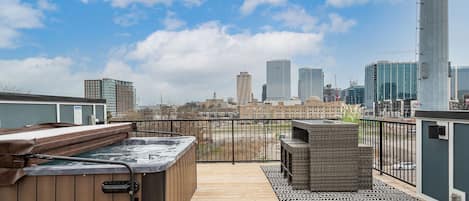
{"x": 185, "y": 50}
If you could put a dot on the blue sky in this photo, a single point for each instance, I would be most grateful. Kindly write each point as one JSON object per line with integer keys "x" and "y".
{"x": 187, "y": 49}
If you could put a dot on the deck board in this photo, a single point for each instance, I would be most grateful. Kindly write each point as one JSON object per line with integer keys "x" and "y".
{"x": 226, "y": 182}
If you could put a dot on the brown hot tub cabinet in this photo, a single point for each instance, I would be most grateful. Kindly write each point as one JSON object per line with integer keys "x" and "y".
{"x": 165, "y": 169}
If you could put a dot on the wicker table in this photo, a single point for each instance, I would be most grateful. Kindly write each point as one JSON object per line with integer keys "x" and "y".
{"x": 336, "y": 162}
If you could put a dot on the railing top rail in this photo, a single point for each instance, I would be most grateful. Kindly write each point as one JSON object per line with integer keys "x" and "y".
{"x": 168, "y": 120}
{"x": 387, "y": 121}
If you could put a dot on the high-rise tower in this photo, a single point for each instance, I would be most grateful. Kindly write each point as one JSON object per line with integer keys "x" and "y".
{"x": 244, "y": 88}
{"x": 310, "y": 83}
{"x": 278, "y": 80}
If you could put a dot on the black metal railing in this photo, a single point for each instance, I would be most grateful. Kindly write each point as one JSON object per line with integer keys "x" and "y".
{"x": 394, "y": 146}
{"x": 225, "y": 140}
{"x": 258, "y": 140}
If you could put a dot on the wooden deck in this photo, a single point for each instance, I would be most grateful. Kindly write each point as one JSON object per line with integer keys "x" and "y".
{"x": 240, "y": 182}
{"x": 247, "y": 182}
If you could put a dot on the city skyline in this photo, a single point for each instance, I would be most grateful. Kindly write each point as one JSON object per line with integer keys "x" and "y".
{"x": 122, "y": 39}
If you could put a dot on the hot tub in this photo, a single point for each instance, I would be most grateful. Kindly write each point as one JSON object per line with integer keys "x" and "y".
{"x": 165, "y": 170}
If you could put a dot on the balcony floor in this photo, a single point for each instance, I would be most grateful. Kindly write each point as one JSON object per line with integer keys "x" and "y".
{"x": 246, "y": 181}
{"x": 224, "y": 181}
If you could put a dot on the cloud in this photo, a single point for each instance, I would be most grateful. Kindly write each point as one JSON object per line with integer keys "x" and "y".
{"x": 131, "y": 18}
{"x": 46, "y": 5}
{"x": 16, "y": 16}
{"x": 193, "y": 3}
{"x": 338, "y": 24}
{"x": 182, "y": 65}
{"x": 171, "y": 22}
{"x": 249, "y": 6}
{"x": 296, "y": 17}
{"x": 126, "y": 3}
{"x": 348, "y": 3}
{"x": 193, "y": 63}
{"x": 345, "y": 3}
{"x": 42, "y": 75}
{"x": 149, "y": 3}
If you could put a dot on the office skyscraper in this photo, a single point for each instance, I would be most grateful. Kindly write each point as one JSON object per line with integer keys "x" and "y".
{"x": 278, "y": 80}
{"x": 389, "y": 81}
{"x": 244, "y": 88}
{"x": 310, "y": 83}
{"x": 355, "y": 95}
{"x": 264, "y": 92}
{"x": 119, "y": 95}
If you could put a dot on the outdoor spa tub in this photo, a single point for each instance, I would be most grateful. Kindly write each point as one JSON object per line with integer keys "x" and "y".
{"x": 164, "y": 167}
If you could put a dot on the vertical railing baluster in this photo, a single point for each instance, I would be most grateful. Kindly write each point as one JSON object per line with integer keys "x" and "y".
{"x": 265, "y": 146}
{"x": 381, "y": 148}
{"x": 171, "y": 126}
{"x": 232, "y": 142}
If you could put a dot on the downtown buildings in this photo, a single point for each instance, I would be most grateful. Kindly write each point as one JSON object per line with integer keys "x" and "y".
{"x": 310, "y": 83}
{"x": 264, "y": 92}
{"x": 330, "y": 94}
{"x": 390, "y": 87}
{"x": 278, "y": 80}
{"x": 355, "y": 94}
{"x": 312, "y": 108}
{"x": 460, "y": 84}
{"x": 120, "y": 95}
{"x": 244, "y": 88}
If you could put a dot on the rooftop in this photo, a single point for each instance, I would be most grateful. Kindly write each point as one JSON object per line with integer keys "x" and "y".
{"x": 6, "y": 96}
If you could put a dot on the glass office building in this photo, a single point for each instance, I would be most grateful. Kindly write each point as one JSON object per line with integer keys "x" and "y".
{"x": 310, "y": 83}
{"x": 120, "y": 95}
{"x": 355, "y": 95}
{"x": 278, "y": 80}
{"x": 389, "y": 81}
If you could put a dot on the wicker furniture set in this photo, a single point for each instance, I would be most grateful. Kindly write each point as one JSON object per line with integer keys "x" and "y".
{"x": 324, "y": 156}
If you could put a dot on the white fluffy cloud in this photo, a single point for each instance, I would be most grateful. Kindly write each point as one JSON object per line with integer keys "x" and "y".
{"x": 180, "y": 65}
{"x": 192, "y": 3}
{"x": 345, "y": 3}
{"x": 128, "y": 19}
{"x": 46, "y": 5}
{"x": 249, "y": 6}
{"x": 15, "y": 16}
{"x": 42, "y": 75}
{"x": 194, "y": 63}
{"x": 171, "y": 22}
{"x": 125, "y": 3}
{"x": 296, "y": 17}
{"x": 338, "y": 24}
